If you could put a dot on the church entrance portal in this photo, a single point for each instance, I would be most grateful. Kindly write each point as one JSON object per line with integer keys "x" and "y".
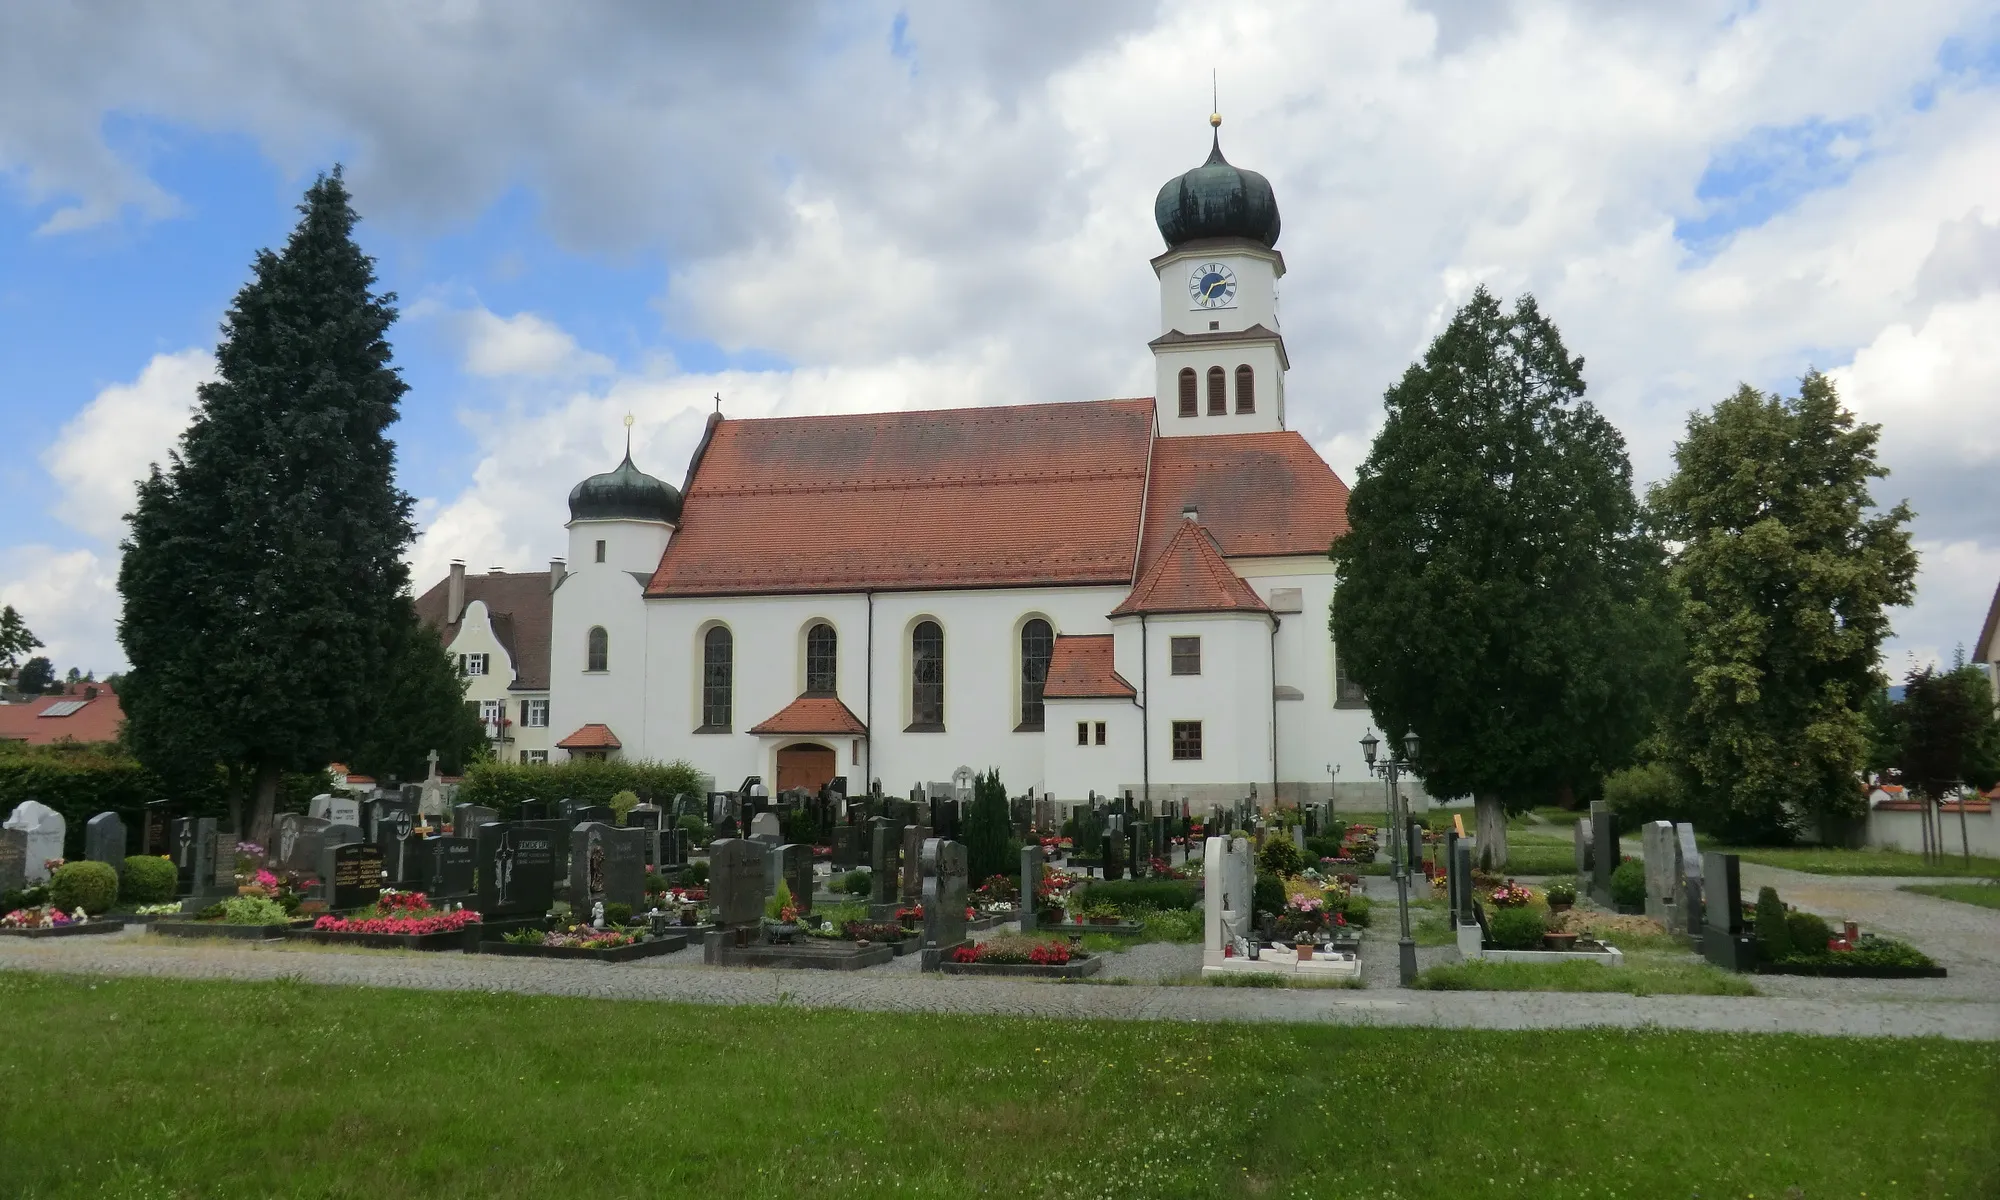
{"x": 805, "y": 766}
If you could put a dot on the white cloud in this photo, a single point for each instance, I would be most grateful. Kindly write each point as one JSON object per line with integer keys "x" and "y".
{"x": 69, "y": 599}
{"x": 104, "y": 451}
{"x": 523, "y": 344}
{"x": 1955, "y": 583}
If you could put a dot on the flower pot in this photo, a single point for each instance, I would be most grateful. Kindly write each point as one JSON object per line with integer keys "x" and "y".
{"x": 1305, "y": 951}
{"x": 687, "y": 916}
{"x": 1559, "y": 941}
{"x": 1559, "y": 906}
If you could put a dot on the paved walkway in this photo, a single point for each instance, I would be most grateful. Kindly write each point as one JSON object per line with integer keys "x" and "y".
{"x": 901, "y": 989}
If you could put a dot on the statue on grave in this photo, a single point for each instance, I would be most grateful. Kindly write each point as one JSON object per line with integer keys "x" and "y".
{"x": 597, "y": 915}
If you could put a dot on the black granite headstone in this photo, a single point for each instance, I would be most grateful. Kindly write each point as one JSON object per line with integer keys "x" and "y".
{"x": 517, "y": 869}
{"x": 450, "y": 865}
{"x": 353, "y": 874}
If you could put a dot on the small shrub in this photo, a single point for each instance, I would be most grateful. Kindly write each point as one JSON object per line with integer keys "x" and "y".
{"x": 1324, "y": 846}
{"x": 858, "y": 882}
{"x": 90, "y": 886}
{"x": 1562, "y": 891}
{"x": 775, "y": 907}
{"x": 253, "y": 910}
{"x": 695, "y": 875}
{"x": 1358, "y": 909}
{"x": 623, "y": 803}
{"x": 1807, "y": 932}
{"x": 698, "y": 831}
{"x": 148, "y": 880}
{"x": 1773, "y": 932}
{"x": 1517, "y": 928}
{"x": 1647, "y": 792}
{"x": 1280, "y": 857}
{"x": 1269, "y": 895}
{"x": 617, "y": 913}
{"x": 655, "y": 885}
{"x": 1142, "y": 893}
{"x": 1628, "y": 884}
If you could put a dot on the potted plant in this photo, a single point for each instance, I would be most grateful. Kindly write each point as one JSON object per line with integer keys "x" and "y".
{"x": 1561, "y": 895}
{"x": 781, "y": 915}
{"x": 1304, "y": 947}
{"x": 1512, "y": 895}
{"x": 1558, "y": 939}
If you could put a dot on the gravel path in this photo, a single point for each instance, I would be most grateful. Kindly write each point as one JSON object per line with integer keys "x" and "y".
{"x": 900, "y": 988}
{"x": 1963, "y": 938}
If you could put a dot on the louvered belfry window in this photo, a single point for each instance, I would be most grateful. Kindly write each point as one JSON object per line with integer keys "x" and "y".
{"x": 1218, "y": 392}
{"x": 1188, "y": 402}
{"x": 1246, "y": 389}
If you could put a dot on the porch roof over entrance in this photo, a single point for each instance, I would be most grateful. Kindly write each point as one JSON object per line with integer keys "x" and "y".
{"x": 814, "y": 714}
{"x": 591, "y": 737}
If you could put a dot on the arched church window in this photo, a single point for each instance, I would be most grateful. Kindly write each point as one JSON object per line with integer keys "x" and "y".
{"x": 1188, "y": 402}
{"x": 1246, "y": 389}
{"x": 822, "y": 654}
{"x": 927, "y": 676}
{"x": 597, "y": 649}
{"x": 1218, "y": 392}
{"x": 1038, "y": 645}
{"x": 718, "y": 679}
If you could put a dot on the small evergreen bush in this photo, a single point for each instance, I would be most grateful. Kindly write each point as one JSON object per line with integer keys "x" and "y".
{"x": 1628, "y": 884}
{"x": 617, "y": 913}
{"x": 697, "y": 828}
{"x": 623, "y": 803}
{"x": 779, "y": 901}
{"x": 1774, "y": 939}
{"x": 1807, "y": 932}
{"x": 1358, "y": 910}
{"x": 1518, "y": 928}
{"x": 858, "y": 882}
{"x": 90, "y": 886}
{"x": 253, "y": 910}
{"x": 148, "y": 880}
{"x": 1280, "y": 857}
{"x": 1269, "y": 896}
{"x": 695, "y": 874}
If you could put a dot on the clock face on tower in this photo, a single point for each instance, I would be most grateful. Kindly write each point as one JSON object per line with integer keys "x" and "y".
{"x": 1213, "y": 285}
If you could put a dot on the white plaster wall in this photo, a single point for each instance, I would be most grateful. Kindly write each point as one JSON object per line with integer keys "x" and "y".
{"x": 1256, "y": 300}
{"x": 628, "y": 545}
{"x": 606, "y": 594}
{"x": 475, "y": 636}
{"x": 1231, "y": 698}
{"x": 1312, "y": 733}
{"x": 1071, "y": 771}
{"x": 1262, "y": 358}
{"x": 1895, "y": 830}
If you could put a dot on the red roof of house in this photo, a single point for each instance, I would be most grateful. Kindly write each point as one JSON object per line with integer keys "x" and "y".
{"x": 1081, "y": 668}
{"x": 591, "y": 737}
{"x": 1258, "y": 494}
{"x": 82, "y": 712}
{"x": 1187, "y": 576}
{"x": 814, "y": 714}
{"x": 971, "y": 497}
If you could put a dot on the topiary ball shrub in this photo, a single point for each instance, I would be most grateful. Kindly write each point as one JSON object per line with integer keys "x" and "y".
{"x": 1269, "y": 894}
{"x": 617, "y": 913}
{"x": 148, "y": 880}
{"x": 1808, "y": 932}
{"x": 1774, "y": 939}
{"x": 1357, "y": 910}
{"x": 90, "y": 886}
{"x": 858, "y": 882}
{"x": 1518, "y": 928}
{"x": 1628, "y": 884}
{"x": 695, "y": 875}
{"x": 1280, "y": 857}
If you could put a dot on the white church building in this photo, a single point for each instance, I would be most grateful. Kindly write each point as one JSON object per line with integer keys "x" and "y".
{"x": 1109, "y": 595}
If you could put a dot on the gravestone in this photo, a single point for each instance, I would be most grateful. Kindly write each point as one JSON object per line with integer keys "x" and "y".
{"x": 625, "y": 867}
{"x": 1687, "y": 881}
{"x": 588, "y": 850}
{"x": 158, "y": 830}
{"x": 1461, "y": 880}
{"x": 1031, "y": 882}
{"x": 795, "y": 867}
{"x": 180, "y": 846}
{"x": 387, "y": 814}
{"x": 337, "y": 835}
{"x": 104, "y": 840}
{"x": 450, "y": 863}
{"x": 944, "y": 870}
{"x": 765, "y": 827}
{"x": 45, "y": 828}
{"x": 1580, "y": 837}
{"x": 1228, "y": 881}
{"x": 914, "y": 837}
{"x": 517, "y": 869}
{"x": 223, "y": 882}
{"x": 400, "y": 853}
{"x": 13, "y": 859}
{"x": 1603, "y": 852}
{"x": 886, "y": 840}
{"x": 1299, "y": 838}
{"x": 673, "y": 847}
{"x": 1110, "y": 851}
{"x": 353, "y": 875}
{"x": 736, "y": 882}
{"x": 643, "y": 816}
{"x": 601, "y": 814}
{"x": 1723, "y": 941}
{"x": 467, "y": 818}
{"x": 201, "y": 876}
{"x": 341, "y": 810}
{"x": 1658, "y": 846}
{"x": 317, "y": 806}
{"x": 534, "y": 810}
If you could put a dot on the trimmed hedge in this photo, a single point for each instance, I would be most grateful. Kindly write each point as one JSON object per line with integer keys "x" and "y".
{"x": 506, "y": 786}
{"x": 148, "y": 880}
{"x": 1518, "y": 928}
{"x": 1142, "y": 893}
{"x": 90, "y": 886}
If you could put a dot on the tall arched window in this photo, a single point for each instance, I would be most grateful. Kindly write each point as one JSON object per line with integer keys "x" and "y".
{"x": 1038, "y": 645}
{"x": 927, "y": 676}
{"x": 718, "y": 681}
{"x": 822, "y": 665}
{"x": 1218, "y": 392}
{"x": 1246, "y": 389}
{"x": 1188, "y": 403}
{"x": 597, "y": 650}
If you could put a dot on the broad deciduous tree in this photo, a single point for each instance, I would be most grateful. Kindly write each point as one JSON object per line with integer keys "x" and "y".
{"x": 1946, "y": 729}
{"x": 15, "y": 640}
{"x": 1783, "y": 574}
{"x": 1495, "y": 591}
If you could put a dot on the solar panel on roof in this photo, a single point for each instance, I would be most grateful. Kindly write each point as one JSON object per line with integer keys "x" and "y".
{"x": 63, "y": 708}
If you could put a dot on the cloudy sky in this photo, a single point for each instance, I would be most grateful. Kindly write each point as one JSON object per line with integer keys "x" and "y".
{"x": 589, "y": 210}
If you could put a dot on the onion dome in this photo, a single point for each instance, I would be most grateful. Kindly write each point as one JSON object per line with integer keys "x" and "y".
{"x": 1216, "y": 200}
{"x": 625, "y": 494}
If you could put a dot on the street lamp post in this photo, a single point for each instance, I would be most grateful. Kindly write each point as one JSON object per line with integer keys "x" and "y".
{"x": 1392, "y": 769}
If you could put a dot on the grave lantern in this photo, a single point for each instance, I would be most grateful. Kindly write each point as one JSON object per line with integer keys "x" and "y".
{"x": 1410, "y": 746}
{"x": 1369, "y": 743}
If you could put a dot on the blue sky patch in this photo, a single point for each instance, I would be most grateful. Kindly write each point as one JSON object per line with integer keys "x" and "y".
{"x": 1767, "y": 172}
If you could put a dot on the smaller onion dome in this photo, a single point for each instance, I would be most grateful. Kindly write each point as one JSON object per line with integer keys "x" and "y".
{"x": 1217, "y": 200}
{"x": 625, "y": 494}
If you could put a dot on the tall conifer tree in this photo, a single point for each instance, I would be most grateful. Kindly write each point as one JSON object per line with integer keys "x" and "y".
{"x": 1495, "y": 592}
{"x": 263, "y": 573}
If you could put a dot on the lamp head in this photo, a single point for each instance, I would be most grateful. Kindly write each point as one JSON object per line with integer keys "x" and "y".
{"x": 1369, "y": 743}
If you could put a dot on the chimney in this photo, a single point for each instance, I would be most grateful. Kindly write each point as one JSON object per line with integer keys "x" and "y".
{"x": 1190, "y": 513}
{"x": 496, "y": 570}
{"x": 454, "y": 595}
{"x": 557, "y": 569}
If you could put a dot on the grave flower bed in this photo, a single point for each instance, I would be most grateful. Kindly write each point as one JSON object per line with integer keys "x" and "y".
{"x": 399, "y": 921}
{"x": 1018, "y": 955}
{"x": 1513, "y": 895}
{"x": 1790, "y": 942}
{"x": 586, "y": 942}
{"x": 50, "y": 921}
{"x": 247, "y": 917}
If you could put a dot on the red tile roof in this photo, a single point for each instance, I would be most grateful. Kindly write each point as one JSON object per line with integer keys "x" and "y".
{"x": 1258, "y": 493}
{"x": 1189, "y": 576}
{"x": 814, "y": 714}
{"x": 96, "y": 719}
{"x": 521, "y": 607}
{"x": 591, "y": 737}
{"x": 972, "y": 497}
{"x": 1081, "y": 668}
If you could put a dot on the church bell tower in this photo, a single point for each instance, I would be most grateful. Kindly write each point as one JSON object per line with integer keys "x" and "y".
{"x": 1220, "y": 361}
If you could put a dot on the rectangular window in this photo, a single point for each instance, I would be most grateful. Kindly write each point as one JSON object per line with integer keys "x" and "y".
{"x": 535, "y": 714}
{"x": 1100, "y": 733}
{"x": 534, "y": 756}
{"x": 490, "y": 712}
{"x": 600, "y": 550}
{"x": 1186, "y": 655}
{"x": 1187, "y": 741}
{"x": 472, "y": 664}
{"x": 1346, "y": 692}
{"x": 1083, "y": 733}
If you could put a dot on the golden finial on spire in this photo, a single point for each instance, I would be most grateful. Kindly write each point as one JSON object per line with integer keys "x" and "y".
{"x": 1214, "y": 102}
{"x": 628, "y": 435}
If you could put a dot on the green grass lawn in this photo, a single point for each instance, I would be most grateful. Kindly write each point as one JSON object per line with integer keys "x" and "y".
{"x": 167, "y": 1089}
{"x": 1986, "y": 895}
{"x": 1821, "y": 860}
{"x": 1645, "y": 973}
